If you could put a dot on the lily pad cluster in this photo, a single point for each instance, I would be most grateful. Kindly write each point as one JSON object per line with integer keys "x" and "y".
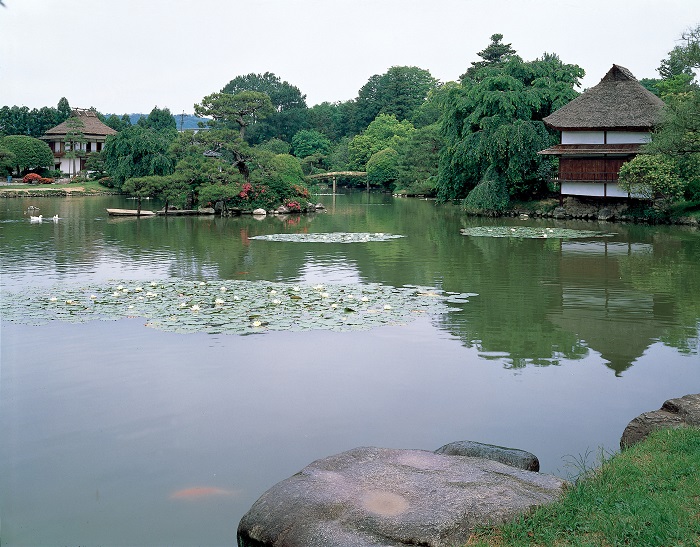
{"x": 232, "y": 307}
{"x": 332, "y": 237}
{"x": 527, "y": 232}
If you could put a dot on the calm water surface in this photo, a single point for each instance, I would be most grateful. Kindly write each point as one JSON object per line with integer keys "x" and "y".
{"x": 118, "y": 434}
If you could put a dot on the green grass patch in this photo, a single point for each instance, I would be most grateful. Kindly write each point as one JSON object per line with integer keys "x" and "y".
{"x": 90, "y": 186}
{"x": 647, "y": 495}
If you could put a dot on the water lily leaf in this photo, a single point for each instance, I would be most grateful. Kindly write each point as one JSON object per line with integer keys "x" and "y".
{"x": 334, "y": 237}
{"x": 530, "y": 232}
{"x": 255, "y": 306}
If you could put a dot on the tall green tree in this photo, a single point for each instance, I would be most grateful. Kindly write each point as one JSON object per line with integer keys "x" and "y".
{"x": 669, "y": 168}
{"x": 74, "y": 142}
{"x": 493, "y": 121}
{"x": 137, "y": 152}
{"x": 494, "y": 54}
{"x": 241, "y": 109}
{"x": 289, "y": 105}
{"x": 400, "y": 91}
{"x": 28, "y": 152}
{"x": 160, "y": 119}
{"x": 384, "y": 132}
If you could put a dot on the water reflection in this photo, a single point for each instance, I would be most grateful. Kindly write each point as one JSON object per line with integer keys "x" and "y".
{"x": 540, "y": 301}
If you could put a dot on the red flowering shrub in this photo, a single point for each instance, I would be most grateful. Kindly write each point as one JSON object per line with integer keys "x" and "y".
{"x": 31, "y": 178}
{"x": 293, "y": 206}
{"x": 45, "y": 180}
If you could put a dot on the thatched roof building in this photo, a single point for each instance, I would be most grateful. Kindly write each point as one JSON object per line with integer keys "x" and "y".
{"x": 602, "y": 129}
{"x": 94, "y": 134}
{"x": 92, "y": 126}
{"x": 618, "y": 102}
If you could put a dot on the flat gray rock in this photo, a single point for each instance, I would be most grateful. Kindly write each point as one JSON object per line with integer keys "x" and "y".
{"x": 386, "y": 497}
{"x": 679, "y": 412}
{"x": 509, "y": 456}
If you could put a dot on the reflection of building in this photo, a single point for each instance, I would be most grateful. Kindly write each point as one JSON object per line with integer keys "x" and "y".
{"x": 602, "y": 129}
{"x": 92, "y": 133}
{"x": 612, "y": 318}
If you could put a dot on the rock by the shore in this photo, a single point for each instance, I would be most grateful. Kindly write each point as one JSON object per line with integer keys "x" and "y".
{"x": 683, "y": 411}
{"x": 510, "y": 456}
{"x": 372, "y": 497}
{"x": 259, "y": 211}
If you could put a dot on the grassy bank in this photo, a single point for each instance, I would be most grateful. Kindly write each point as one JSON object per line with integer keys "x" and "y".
{"x": 86, "y": 187}
{"x": 648, "y": 495}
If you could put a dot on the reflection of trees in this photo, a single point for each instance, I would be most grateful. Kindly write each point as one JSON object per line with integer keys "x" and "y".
{"x": 671, "y": 274}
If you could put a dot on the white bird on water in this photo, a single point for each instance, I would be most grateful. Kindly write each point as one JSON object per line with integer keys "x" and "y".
{"x": 54, "y": 218}
{"x": 36, "y": 219}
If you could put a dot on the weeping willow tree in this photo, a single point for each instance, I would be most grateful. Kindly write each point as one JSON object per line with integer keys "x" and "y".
{"x": 492, "y": 123}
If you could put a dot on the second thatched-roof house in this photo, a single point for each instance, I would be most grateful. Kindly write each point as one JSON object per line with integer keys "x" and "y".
{"x": 600, "y": 130}
{"x": 83, "y": 132}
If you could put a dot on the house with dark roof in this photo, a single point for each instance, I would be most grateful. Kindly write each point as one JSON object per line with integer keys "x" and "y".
{"x": 600, "y": 130}
{"x": 93, "y": 134}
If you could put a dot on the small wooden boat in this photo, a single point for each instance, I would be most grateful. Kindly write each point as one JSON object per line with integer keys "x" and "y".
{"x": 129, "y": 213}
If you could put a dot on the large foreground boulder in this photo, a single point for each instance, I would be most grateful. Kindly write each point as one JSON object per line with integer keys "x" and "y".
{"x": 509, "y": 456}
{"x": 679, "y": 412}
{"x": 379, "y": 496}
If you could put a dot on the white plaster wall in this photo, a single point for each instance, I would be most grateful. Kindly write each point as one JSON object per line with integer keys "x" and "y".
{"x": 614, "y": 191}
{"x": 582, "y": 137}
{"x": 583, "y": 189}
{"x": 628, "y": 137}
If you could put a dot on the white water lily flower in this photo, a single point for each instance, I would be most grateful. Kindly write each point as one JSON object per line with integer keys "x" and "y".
{"x": 276, "y": 301}
{"x": 92, "y": 296}
{"x": 318, "y": 287}
{"x": 183, "y": 305}
{"x": 219, "y": 301}
{"x": 365, "y": 299}
{"x": 334, "y": 306}
{"x": 273, "y": 291}
{"x": 387, "y": 307}
{"x": 125, "y": 290}
{"x": 115, "y": 293}
{"x": 257, "y": 323}
{"x": 195, "y": 307}
{"x": 140, "y": 298}
{"x": 202, "y": 283}
{"x": 138, "y": 289}
{"x": 236, "y": 297}
{"x": 153, "y": 283}
{"x": 351, "y": 297}
{"x": 324, "y": 295}
{"x": 295, "y": 288}
{"x": 69, "y": 301}
{"x": 130, "y": 307}
{"x": 120, "y": 287}
{"x": 223, "y": 289}
{"x": 53, "y": 299}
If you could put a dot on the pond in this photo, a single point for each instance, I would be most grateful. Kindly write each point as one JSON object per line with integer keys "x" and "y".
{"x": 162, "y": 425}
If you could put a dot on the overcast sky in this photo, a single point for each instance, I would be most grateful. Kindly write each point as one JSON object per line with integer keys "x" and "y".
{"x": 124, "y": 56}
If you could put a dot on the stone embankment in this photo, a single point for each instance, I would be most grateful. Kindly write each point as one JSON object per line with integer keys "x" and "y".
{"x": 573, "y": 209}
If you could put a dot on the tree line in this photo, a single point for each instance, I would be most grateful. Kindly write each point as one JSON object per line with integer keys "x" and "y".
{"x": 474, "y": 140}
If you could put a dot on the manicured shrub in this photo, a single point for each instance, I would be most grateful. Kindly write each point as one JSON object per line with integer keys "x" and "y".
{"x": 31, "y": 178}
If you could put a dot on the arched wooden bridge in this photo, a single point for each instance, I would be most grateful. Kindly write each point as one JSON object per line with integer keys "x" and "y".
{"x": 333, "y": 175}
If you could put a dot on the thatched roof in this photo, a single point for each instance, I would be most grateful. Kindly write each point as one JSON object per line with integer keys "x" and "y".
{"x": 618, "y": 102}
{"x": 92, "y": 126}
